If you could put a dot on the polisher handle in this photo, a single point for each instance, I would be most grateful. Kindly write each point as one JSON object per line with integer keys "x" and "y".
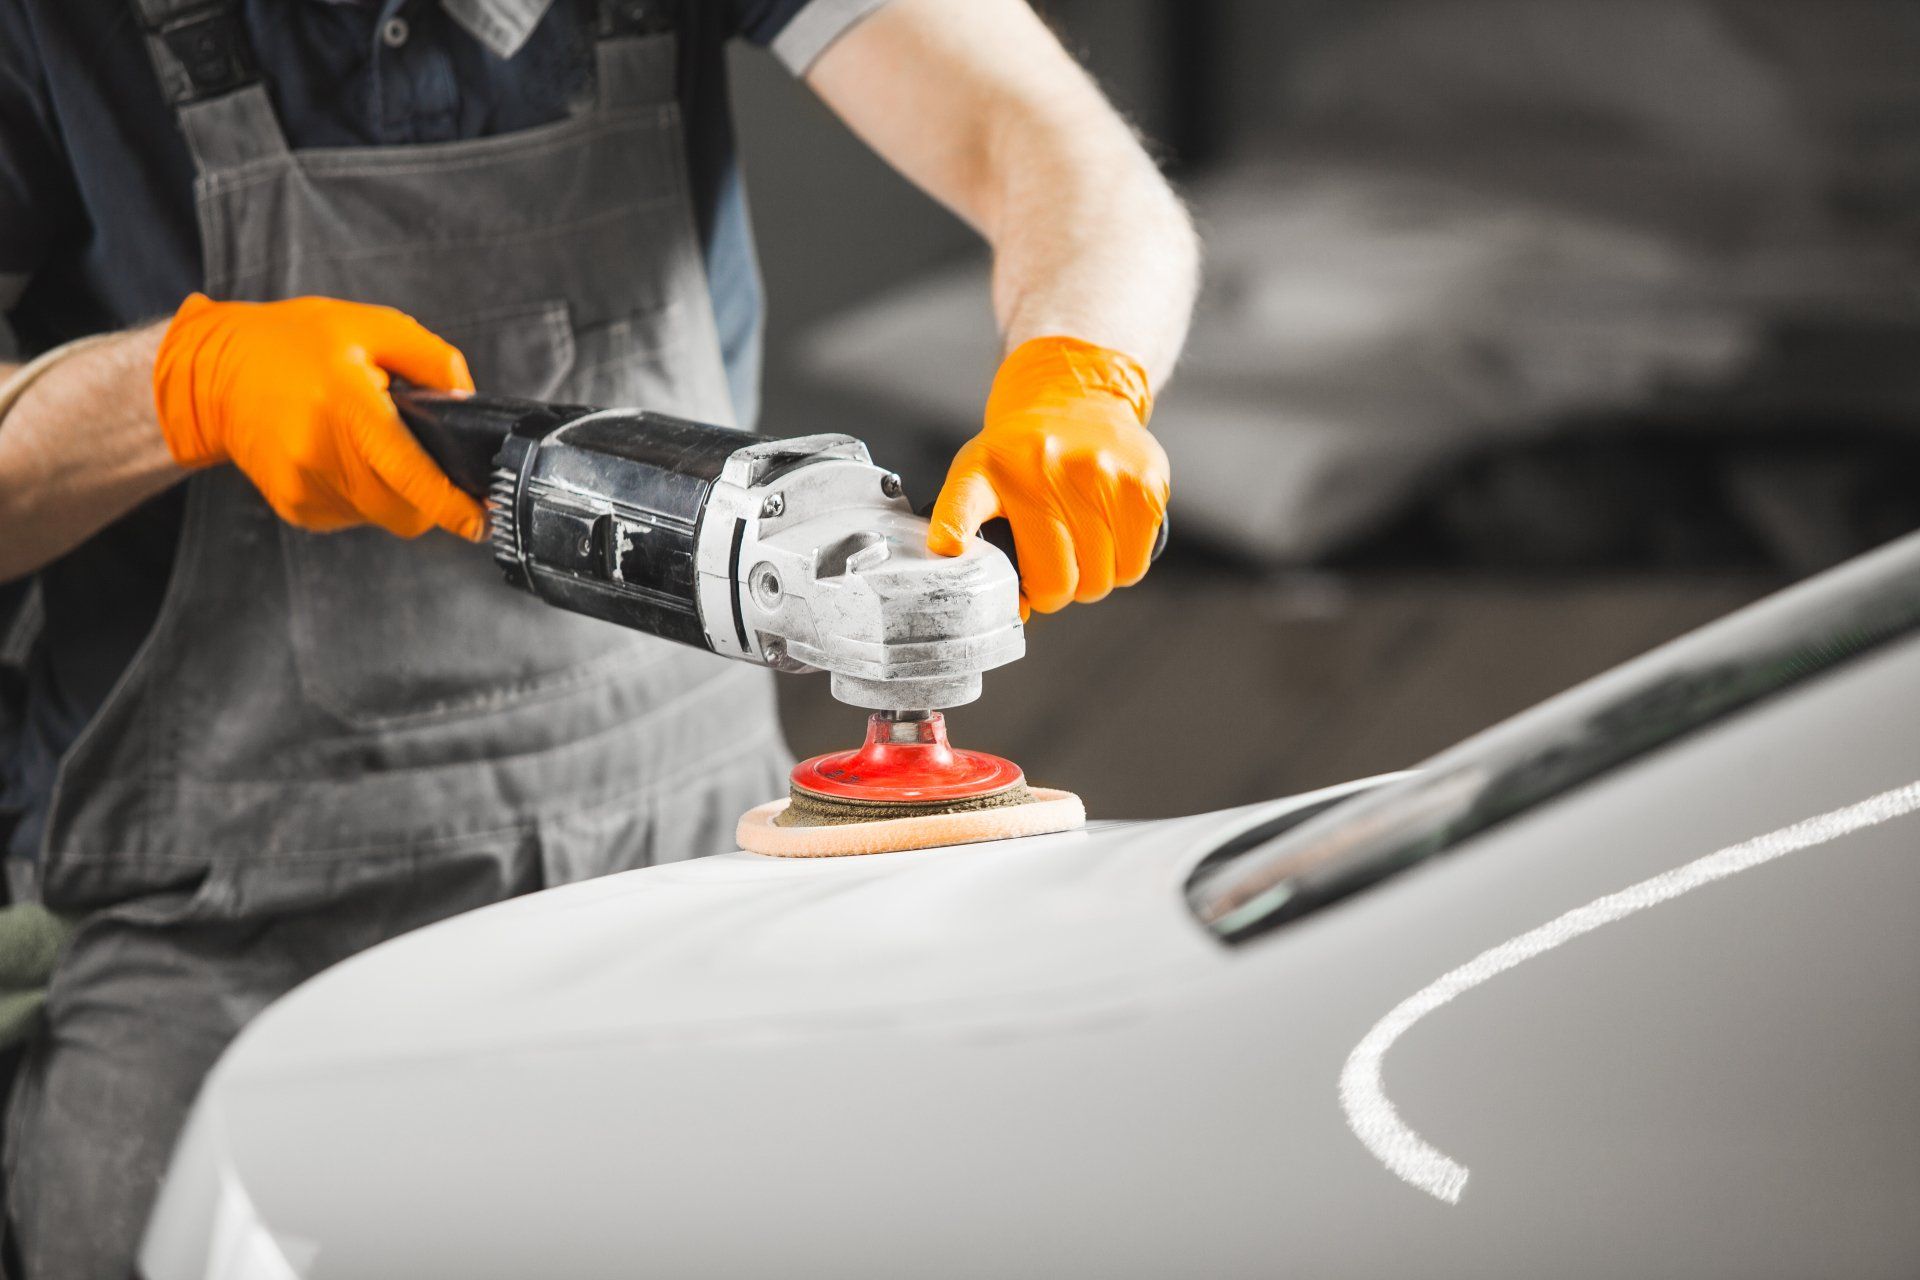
{"x": 462, "y": 433}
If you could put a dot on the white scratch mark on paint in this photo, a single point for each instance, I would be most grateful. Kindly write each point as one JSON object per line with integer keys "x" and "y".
{"x": 1371, "y": 1114}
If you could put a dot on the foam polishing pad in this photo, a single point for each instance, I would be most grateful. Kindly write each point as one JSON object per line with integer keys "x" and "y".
{"x": 762, "y": 831}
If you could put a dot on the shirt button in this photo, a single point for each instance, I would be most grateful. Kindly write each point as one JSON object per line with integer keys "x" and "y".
{"x": 394, "y": 32}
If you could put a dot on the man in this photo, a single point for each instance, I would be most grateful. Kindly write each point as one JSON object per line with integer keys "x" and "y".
{"x": 261, "y": 732}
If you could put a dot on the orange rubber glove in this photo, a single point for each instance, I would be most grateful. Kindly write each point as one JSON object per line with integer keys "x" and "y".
{"x": 295, "y": 394}
{"x": 1066, "y": 457}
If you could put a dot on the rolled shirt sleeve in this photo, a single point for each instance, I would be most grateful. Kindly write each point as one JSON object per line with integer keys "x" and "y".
{"x": 799, "y": 31}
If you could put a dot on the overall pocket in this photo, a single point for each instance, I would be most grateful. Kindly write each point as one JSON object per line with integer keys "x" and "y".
{"x": 386, "y": 631}
{"x": 636, "y": 361}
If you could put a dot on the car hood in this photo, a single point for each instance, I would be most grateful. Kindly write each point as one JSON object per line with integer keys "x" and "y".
{"x": 996, "y": 936}
{"x": 610, "y": 991}
{"x": 1027, "y": 1059}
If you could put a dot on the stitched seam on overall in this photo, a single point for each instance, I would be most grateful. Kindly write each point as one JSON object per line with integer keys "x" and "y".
{"x": 186, "y": 579}
{"x": 147, "y": 774}
{"x": 738, "y": 674}
{"x": 624, "y": 359}
{"x": 496, "y": 697}
{"x": 545, "y": 311}
{"x": 210, "y": 221}
{"x": 626, "y": 800}
{"x": 493, "y": 698}
{"x": 362, "y": 162}
{"x": 401, "y": 843}
{"x": 288, "y": 262}
{"x": 382, "y": 162}
{"x": 130, "y": 860}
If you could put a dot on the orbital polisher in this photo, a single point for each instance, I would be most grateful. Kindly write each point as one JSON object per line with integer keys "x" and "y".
{"x": 796, "y": 554}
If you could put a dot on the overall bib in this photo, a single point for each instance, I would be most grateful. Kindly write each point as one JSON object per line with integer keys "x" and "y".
{"x": 329, "y": 739}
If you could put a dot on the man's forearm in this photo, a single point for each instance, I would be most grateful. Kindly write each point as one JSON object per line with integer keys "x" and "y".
{"x": 80, "y": 448}
{"x": 1090, "y": 242}
{"x": 976, "y": 102}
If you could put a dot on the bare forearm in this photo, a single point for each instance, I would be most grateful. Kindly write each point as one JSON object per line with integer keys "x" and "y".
{"x": 80, "y": 448}
{"x": 976, "y": 102}
{"x": 1091, "y": 243}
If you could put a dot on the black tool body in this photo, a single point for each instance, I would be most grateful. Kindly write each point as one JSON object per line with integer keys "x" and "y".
{"x": 593, "y": 510}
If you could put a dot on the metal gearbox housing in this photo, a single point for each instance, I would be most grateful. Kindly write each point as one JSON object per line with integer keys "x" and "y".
{"x": 816, "y": 555}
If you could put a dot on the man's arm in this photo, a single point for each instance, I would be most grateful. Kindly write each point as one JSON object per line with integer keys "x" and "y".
{"x": 293, "y": 393}
{"x": 80, "y": 448}
{"x": 977, "y": 103}
{"x": 1095, "y": 268}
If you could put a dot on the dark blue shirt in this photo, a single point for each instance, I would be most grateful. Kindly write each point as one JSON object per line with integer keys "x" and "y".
{"x": 97, "y": 230}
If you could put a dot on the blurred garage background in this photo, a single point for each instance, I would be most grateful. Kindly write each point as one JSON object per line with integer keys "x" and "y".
{"x": 1535, "y": 333}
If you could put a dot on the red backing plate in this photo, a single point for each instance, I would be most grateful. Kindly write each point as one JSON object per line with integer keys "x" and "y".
{"x": 906, "y": 762}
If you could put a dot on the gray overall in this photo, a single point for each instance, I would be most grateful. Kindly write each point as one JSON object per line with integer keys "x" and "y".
{"x": 327, "y": 740}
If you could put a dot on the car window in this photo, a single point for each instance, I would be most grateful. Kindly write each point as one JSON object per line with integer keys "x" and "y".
{"x": 1264, "y": 879}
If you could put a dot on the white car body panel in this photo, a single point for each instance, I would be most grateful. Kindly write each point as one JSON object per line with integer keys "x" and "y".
{"x": 1029, "y": 1058}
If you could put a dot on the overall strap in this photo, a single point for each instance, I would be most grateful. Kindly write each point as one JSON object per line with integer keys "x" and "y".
{"x": 637, "y": 54}
{"x": 211, "y": 79}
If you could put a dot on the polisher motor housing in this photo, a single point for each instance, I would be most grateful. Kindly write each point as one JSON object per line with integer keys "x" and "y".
{"x": 797, "y": 554}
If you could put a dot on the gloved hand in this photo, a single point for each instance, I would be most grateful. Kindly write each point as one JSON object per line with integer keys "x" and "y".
{"x": 1066, "y": 457}
{"x": 295, "y": 394}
